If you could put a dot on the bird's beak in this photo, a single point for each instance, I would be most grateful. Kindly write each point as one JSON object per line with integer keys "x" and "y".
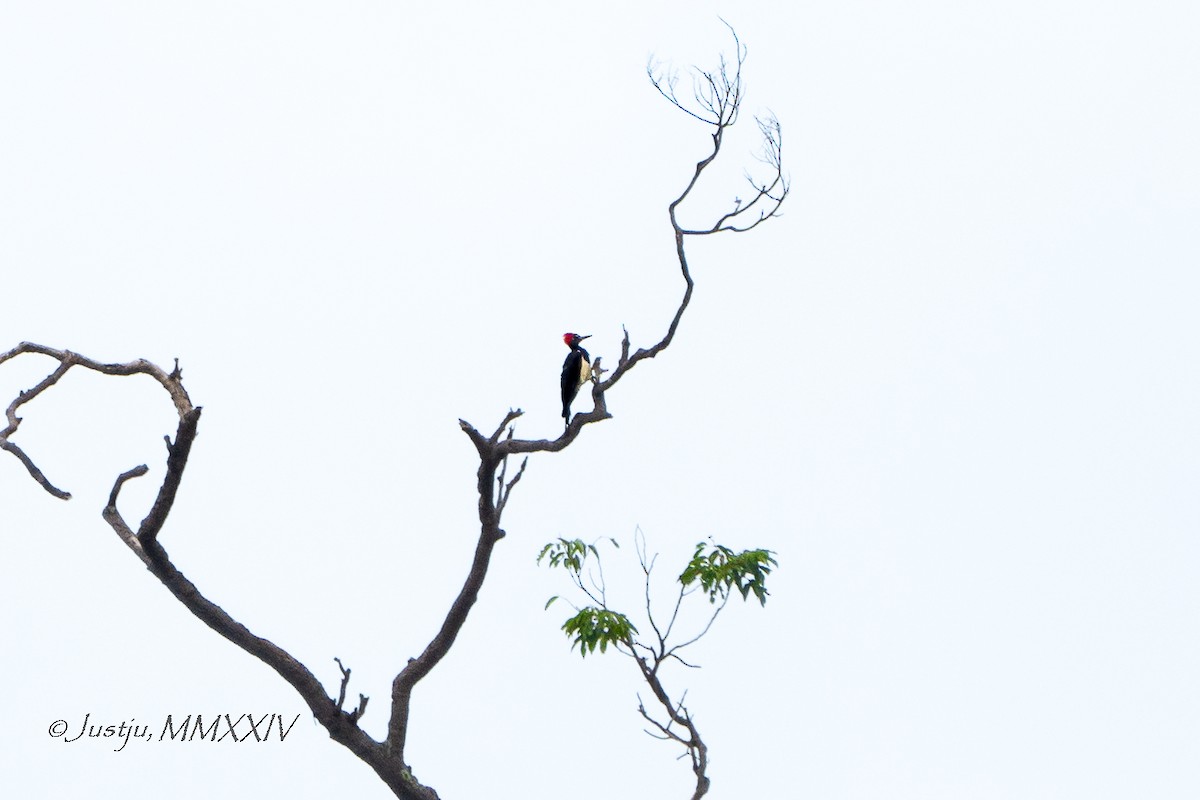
{"x": 581, "y": 338}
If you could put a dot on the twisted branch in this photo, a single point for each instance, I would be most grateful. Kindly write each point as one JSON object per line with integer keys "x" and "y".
{"x": 342, "y": 726}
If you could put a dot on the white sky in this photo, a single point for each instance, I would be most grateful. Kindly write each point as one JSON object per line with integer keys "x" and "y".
{"x": 955, "y": 388}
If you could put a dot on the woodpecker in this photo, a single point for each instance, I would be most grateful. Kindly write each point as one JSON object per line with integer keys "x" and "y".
{"x": 576, "y": 371}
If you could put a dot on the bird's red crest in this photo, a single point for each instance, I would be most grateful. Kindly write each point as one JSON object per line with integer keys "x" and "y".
{"x": 568, "y": 337}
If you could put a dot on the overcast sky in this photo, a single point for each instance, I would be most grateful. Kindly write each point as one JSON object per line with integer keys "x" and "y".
{"x": 955, "y": 388}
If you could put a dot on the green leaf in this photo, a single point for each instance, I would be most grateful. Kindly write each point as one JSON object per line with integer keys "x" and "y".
{"x": 568, "y": 553}
{"x": 598, "y": 627}
{"x": 720, "y": 568}
{"x": 549, "y": 602}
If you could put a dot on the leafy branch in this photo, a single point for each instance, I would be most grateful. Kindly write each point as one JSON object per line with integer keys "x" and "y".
{"x": 720, "y": 568}
{"x": 713, "y": 569}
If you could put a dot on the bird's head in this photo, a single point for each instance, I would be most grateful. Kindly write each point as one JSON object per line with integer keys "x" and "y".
{"x": 572, "y": 339}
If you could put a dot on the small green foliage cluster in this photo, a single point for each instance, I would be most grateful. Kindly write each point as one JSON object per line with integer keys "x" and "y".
{"x": 567, "y": 553}
{"x": 717, "y": 568}
{"x": 598, "y": 626}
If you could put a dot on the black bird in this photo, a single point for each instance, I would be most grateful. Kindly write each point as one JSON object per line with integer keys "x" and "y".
{"x": 576, "y": 371}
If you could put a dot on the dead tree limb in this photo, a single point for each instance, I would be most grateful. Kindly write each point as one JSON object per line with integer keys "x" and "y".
{"x": 342, "y": 725}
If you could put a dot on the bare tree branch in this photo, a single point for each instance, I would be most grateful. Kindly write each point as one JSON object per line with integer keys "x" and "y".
{"x": 417, "y": 668}
{"x": 503, "y": 490}
{"x": 345, "y": 681}
{"x": 361, "y": 708}
{"x": 698, "y": 636}
{"x": 677, "y": 714}
{"x": 117, "y": 522}
{"x": 66, "y": 360}
{"x": 342, "y": 726}
{"x": 719, "y": 94}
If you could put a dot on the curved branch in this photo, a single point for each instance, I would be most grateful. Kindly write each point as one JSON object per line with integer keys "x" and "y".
{"x": 116, "y": 521}
{"x": 66, "y": 360}
{"x": 342, "y": 725}
{"x": 718, "y": 94}
{"x": 677, "y": 714}
{"x": 490, "y": 533}
{"x": 774, "y": 193}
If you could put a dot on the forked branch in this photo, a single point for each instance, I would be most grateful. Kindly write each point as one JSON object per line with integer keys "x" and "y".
{"x": 66, "y": 360}
{"x": 717, "y": 97}
{"x": 342, "y": 725}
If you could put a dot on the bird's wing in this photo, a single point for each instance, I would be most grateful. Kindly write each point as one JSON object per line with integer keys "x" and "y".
{"x": 570, "y": 376}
